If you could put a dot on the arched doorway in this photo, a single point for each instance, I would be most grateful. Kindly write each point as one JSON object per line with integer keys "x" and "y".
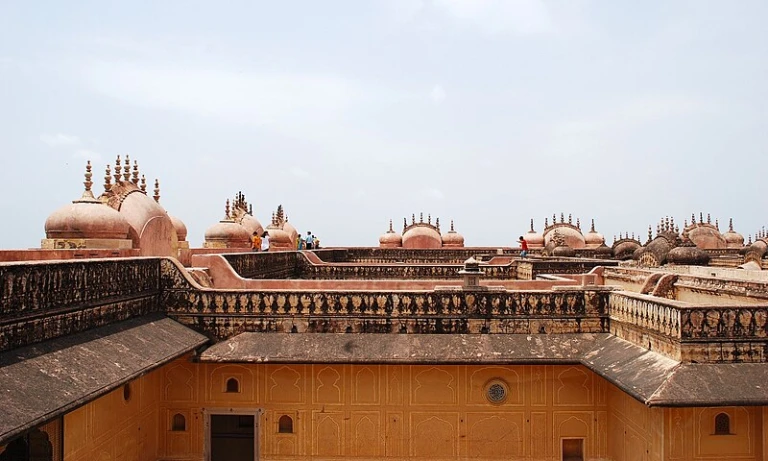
{"x": 32, "y": 446}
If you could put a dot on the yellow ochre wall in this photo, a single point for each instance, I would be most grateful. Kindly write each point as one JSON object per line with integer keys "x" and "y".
{"x": 112, "y": 428}
{"x": 392, "y": 411}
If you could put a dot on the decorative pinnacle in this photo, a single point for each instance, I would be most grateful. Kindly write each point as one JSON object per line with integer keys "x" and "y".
{"x": 437, "y": 224}
{"x": 531, "y": 225}
{"x": 750, "y": 240}
{"x": 157, "y": 190}
{"x": 405, "y": 223}
{"x": 650, "y": 232}
{"x": 685, "y": 223}
{"x": 709, "y": 220}
{"x": 421, "y": 217}
{"x": 569, "y": 219}
{"x": 118, "y": 168}
{"x": 554, "y": 219}
{"x": 546, "y": 222}
{"x": 135, "y": 172}
{"x": 87, "y": 194}
{"x": 452, "y": 226}
{"x": 578, "y": 223}
{"x": 143, "y": 183}
{"x": 127, "y": 169}
{"x": 250, "y": 209}
{"x": 562, "y": 217}
{"x": 730, "y": 224}
{"x": 108, "y": 179}
{"x": 592, "y": 229}
{"x": 429, "y": 218}
{"x": 701, "y": 217}
{"x": 391, "y": 231}
{"x": 717, "y": 224}
{"x": 226, "y": 212}
{"x": 413, "y": 218}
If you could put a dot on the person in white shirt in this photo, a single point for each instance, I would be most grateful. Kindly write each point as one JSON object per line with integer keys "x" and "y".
{"x": 265, "y": 241}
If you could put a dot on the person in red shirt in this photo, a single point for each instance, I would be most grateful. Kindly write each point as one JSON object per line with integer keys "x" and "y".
{"x": 524, "y": 246}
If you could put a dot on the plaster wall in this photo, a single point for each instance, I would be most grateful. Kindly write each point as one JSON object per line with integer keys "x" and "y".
{"x": 112, "y": 428}
{"x": 392, "y": 411}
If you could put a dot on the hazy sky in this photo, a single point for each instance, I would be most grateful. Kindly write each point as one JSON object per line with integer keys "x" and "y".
{"x": 349, "y": 113}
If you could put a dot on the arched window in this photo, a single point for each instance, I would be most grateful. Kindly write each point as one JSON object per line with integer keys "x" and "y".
{"x": 233, "y": 385}
{"x": 722, "y": 424}
{"x": 179, "y": 422}
{"x": 285, "y": 425}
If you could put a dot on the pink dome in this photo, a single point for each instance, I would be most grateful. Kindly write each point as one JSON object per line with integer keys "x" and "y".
{"x": 422, "y": 236}
{"x": 706, "y": 237}
{"x": 228, "y": 233}
{"x": 573, "y": 237}
{"x": 181, "y": 228}
{"x": 293, "y": 234}
{"x": 390, "y": 240}
{"x": 732, "y": 238}
{"x": 251, "y": 224}
{"x": 453, "y": 238}
{"x": 86, "y": 219}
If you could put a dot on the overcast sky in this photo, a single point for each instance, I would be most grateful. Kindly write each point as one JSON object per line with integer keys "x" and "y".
{"x": 349, "y": 113}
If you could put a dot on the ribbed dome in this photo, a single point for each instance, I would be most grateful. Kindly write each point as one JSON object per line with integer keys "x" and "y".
{"x": 624, "y": 250}
{"x": 278, "y": 236}
{"x": 86, "y": 219}
{"x": 422, "y": 236}
{"x": 288, "y": 228}
{"x": 181, "y": 228}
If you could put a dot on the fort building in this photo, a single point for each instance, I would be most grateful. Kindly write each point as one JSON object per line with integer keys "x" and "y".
{"x": 121, "y": 341}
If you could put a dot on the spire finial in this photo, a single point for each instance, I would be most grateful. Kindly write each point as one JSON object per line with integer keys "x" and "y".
{"x": 569, "y": 219}
{"x": 562, "y": 217}
{"x": 650, "y": 233}
{"x": 554, "y": 219}
{"x": 709, "y": 219}
{"x": 118, "y": 168}
{"x": 701, "y": 217}
{"x": 136, "y": 172}
{"x": 531, "y": 225}
{"x": 413, "y": 218}
{"x": 685, "y": 223}
{"x": 108, "y": 179}
{"x": 717, "y": 224}
{"x": 633, "y": 235}
{"x": 391, "y": 231}
{"x": 88, "y": 183}
{"x": 437, "y": 224}
{"x": 693, "y": 218}
{"x": 127, "y": 169}
{"x": 405, "y": 223}
{"x": 250, "y": 209}
{"x": 592, "y": 229}
{"x": 429, "y": 218}
{"x": 578, "y": 223}
{"x": 143, "y": 183}
{"x": 157, "y": 190}
{"x": 730, "y": 224}
{"x": 421, "y": 216}
{"x": 226, "y": 211}
{"x": 546, "y": 223}
{"x": 750, "y": 240}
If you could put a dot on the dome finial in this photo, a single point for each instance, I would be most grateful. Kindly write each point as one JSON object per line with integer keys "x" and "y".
{"x": 87, "y": 194}
{"x": 750, "y": 240}
{"x": 546, "y": 222}
{"x": 108, "y": 179}
{"x": 127, "y": 169}
{"x": 118, "y": 168}
{"x": 592, "y": 229}
{"x": 578, "y": 223}
{"x": 157, "y": 190}
{"x": 531, "y": 225}
{"x": 250, "y": 209}
{"x": 429, "y": 218}
{"x": 390, "y": 227}
{"x": 437, "y": 224}
{"x": 226, "y": 211}
{"x": 569, "y": 219}
{"x": 405, "y": 223}
{"x": 650, "y": 233}
{"x": 730, "y": 224}
{"x": 421, "y": 217}
{"x": 562, "y": 217}
{"x": 701, "y": 217}
{"x": 143, "y": 184}
{"x": 709, "y": 219}
{"x": 452, "y": 226}
{"x": 685, "y": 223}
{"x": 693, "y": 218}
{"x": 413, "y": 218}
{"x": 717, "y": 224}
{"x": 136, "y": 172}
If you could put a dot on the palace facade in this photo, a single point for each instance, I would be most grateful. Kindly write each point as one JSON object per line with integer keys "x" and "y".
{"x": 118, "y": 341}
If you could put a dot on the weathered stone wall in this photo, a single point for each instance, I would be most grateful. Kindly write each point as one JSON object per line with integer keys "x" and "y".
{"x": 422, "y": 256}
{"x": 269, "y": 265}
{"x": 530, "y": 268}
{"x": 40, "y": 301}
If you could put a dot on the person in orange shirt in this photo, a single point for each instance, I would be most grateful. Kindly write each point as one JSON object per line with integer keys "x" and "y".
{"x": 255, "y": 242}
